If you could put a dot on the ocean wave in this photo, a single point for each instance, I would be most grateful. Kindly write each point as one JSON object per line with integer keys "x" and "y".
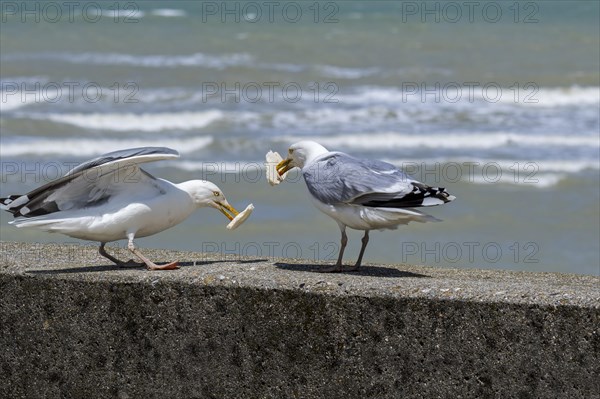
{"x": 220, "y": 167}
{"x": 517, "y": 172}
{"x": 384, "y": 109}
{"x": 220, "y": 61}
{"x": 373, "y": 94}
{"x": 526, "y": 165}
{"x": 13, "y": 102}
{"x": 523, "y": 166}
{"x": 88, "y": 147}
{"x": 51, "y": 93}
{"x": 168, "y": 12}
{"x": 541, "y": 173}
{"x": 176, "y": 95}
{"x": 130, "y": 14}
{"x": 559, "y": 97}
{"x": 357, "y": 122}
{"x": 324, "y": 117}
{"x": 534, "y": 174}
{"x": 526, "y": 96}
{"x": 565, "y": 166}
{"x": 215, "y": 61}
{"x": 383, "y": 141}
{"x": 18, "y": 92}
{"x": 539, "y": 181}
{"x": 345, "y": 72}
{"x": 23, "y": 79}
{"x": 365, "y": 104}
{"x": 12, "y": 97}
{"x": 137, "y": 122}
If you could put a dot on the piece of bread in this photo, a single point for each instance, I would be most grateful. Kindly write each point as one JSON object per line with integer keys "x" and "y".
{"x": 240, "y": 218}
{"x": 273, "y": 158}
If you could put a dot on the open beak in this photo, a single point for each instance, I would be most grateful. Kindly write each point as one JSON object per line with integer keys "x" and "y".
{"x": 225, "y": 208}
{"x": 283, "y": 166}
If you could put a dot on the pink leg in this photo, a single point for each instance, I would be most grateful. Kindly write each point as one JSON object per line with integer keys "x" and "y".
{"x": 129, "y": 263}
{"x": 149, "y": 264}
{"x": 338, "y": 267}
{"x": 365, "y": 241}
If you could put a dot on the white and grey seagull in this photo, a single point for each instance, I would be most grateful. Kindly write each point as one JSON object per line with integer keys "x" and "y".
{"x": 111, "y": 198}
{"x": 360, "y": 194}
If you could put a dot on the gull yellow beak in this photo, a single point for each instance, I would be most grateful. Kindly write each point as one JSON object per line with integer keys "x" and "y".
{"x": 283, "y": 166}
{"x": 224, "y": 207}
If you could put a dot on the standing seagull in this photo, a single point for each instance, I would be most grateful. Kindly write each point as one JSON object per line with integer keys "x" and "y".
{"x": 360, "y": 194}
{"x": 111, "y": 198}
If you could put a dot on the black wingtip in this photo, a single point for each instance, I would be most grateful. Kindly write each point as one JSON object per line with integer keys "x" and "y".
{"x": 440, "y": 193}
{"x": 5, "y": 204}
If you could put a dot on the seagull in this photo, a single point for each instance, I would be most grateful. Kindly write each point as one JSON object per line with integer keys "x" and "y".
{"x": 360, "y": 194}
{"x": 111, "y": 198}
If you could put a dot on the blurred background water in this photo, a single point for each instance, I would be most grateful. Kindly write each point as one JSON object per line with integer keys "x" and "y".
{"x": 498, "y": 102}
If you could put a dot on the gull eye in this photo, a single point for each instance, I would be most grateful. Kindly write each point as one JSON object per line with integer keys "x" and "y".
{"x": 291, "y": 151}
{"x": 216, "y": 193}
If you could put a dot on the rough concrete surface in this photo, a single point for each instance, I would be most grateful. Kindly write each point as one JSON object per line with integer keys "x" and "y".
{"x": 73, "y": 326}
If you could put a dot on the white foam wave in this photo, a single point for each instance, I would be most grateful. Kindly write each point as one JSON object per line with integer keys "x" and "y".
{"x": 10, "y": 102}
{"x": 166, "y": 95}
{"x": 220, "y": 167}
{"x": 526, "y": 96}
{"x": 510, "y": 165}
{"x": 539, "y": 181}
{"x": 346, "y": 73}
{"x": 137, "y": 122}
{"x": 382, "y": 141}
{"x": 88, "y": 147}
{"x": 216, "y": 61}
{"x": 566, "y": 166}
{"x": 337, "y": 117}
{"x": 520, "y": 172}
{"x": 168, "y": 12}
{"x": 560, "y": 97}
{"x": 121, "y": 13}
{"x": 525, "y": 173}
{"x": 161, "y": 61}
{"x": 535, "y": 174}
{"x": 12, "y": 96}
{"x": 18, "y": 80}
{"x": 370, "y": 95}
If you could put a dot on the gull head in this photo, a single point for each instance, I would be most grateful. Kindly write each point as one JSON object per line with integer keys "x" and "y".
{"x": 205, "y": 193}
{"x": 300, "y": 154}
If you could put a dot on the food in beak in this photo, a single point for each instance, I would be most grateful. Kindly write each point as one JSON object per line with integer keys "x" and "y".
{"x": 241, "y": 217}
{"x": 224, "y": 208}
{"x": 273, "y": 165}
{"x": 283, "y": 166}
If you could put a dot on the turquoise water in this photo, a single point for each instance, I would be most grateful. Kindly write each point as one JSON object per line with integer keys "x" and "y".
{"x": 503, "y": 111}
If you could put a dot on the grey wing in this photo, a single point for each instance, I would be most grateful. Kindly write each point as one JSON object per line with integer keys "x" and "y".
{"x": 92, "y": 183}
{"x": 127, "y": 156}
{"x": 340, "y": 178}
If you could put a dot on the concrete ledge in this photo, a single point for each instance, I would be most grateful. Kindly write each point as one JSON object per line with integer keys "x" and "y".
{"x": 73, "y": 326}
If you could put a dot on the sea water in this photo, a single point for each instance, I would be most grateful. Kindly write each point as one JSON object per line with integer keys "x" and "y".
{"x": 499, "y": 103}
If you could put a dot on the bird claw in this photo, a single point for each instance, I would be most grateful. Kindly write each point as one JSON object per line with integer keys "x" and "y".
{"x": 168, "y": 266}
{"x": 352, "y": 269}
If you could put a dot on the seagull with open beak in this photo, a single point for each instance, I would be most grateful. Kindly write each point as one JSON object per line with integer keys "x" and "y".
{"x": 361, "y": 194}
{"x": 111, "y": 197}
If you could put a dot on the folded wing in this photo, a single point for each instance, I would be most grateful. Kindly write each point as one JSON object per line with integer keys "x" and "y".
{"x": 340, "y": 178}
